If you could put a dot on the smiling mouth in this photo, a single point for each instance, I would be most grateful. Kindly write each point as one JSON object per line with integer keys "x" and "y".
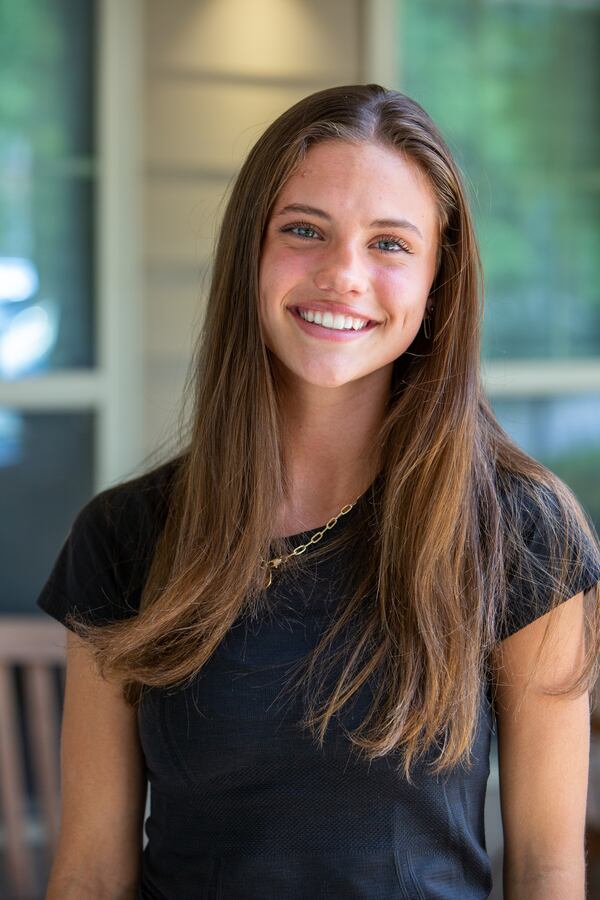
{"x": 331, "y": 332}
{"x": 333, "y": 321}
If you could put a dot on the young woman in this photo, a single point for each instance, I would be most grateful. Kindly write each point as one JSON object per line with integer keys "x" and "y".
{"x": 302, "y": 630}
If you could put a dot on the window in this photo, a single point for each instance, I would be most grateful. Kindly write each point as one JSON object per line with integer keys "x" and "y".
{"x": 511, "y": 85}
{"x": 69, "y": 357}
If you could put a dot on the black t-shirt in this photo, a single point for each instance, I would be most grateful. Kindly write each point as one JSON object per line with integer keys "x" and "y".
{"x": 244, "y": 805}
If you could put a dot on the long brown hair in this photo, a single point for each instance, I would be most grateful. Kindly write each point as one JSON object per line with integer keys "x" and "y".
{"x": 448, "y": 521}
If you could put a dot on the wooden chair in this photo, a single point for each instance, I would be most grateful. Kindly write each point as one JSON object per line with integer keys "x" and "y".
{"x": 593, "y": 827}
{"x": 35, "y": 648}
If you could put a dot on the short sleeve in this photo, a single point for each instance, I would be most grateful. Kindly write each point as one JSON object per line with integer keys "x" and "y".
{"x": 103, "y": 563}
{"x": 532, "y": 578}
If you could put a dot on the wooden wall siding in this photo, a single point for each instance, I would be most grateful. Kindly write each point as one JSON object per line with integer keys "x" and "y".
{"x": 217, "y": 72}
{"x": 193, "y": 209}
{"x": 279, "y": 39}
{"x": 210, "y": 127}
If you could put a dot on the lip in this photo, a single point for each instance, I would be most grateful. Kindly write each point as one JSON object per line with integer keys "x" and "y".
{"x": 329, "y": 334}
{"x": 333, "y": 308}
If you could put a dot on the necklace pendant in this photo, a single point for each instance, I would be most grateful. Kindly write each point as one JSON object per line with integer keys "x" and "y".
{"x": 272, "y": 565}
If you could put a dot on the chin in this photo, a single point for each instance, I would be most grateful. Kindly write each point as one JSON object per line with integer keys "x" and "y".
{"x": 327, "y": 379}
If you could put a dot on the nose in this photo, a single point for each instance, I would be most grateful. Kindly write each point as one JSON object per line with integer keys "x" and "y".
{"x": 341, "y": 271}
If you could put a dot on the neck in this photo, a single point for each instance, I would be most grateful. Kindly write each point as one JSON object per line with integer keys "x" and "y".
{"x": 329, "y": 446}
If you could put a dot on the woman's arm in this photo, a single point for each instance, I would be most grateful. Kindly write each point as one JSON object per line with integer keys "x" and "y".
{"x": 543, "y": 747}
{"x": 103, "y": 788}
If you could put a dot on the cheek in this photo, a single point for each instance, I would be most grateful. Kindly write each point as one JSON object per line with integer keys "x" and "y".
{"x": 281, "y": 270}
{"x": 276, "y": 278}
{"x": 400, "y": 291}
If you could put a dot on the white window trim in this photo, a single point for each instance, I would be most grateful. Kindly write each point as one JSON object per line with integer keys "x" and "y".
{"x": 120, "y": 437}
{"x": 379, "y": 45}
{"x": 541, "y": 377}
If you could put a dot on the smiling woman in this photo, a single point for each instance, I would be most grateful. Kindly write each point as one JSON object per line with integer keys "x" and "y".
{"x": 321, "y": 608}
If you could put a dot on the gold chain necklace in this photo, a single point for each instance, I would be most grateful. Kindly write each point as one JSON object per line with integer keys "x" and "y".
{"x": 273, "y": 564}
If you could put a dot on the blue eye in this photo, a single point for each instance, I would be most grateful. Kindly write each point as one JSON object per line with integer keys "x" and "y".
{"x": 299, "y": 227}
{"x": 395, "y": 242}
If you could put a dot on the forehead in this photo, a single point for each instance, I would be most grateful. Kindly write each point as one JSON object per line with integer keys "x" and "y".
{"x": 363, "y": 179}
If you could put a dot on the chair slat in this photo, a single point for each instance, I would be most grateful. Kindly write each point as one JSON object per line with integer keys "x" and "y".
{"x": 18, "y": 861}
{"x": 35, "y": 646}
{"x": 41, "y": 709}
{"x": 25, "y": 639}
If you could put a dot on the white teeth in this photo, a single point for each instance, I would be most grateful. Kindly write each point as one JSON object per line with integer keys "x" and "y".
{"x": 338, "y": 322}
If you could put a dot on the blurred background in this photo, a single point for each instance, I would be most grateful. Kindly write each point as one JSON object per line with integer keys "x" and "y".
{"x": 122, "y": 125}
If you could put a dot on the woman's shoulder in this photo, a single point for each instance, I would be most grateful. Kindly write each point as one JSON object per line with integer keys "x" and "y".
{"x": 551, "y": 548}
{"x": 103, "y": 562}
{"x": 139, "y": 503}
{"x": 543, "y": 512}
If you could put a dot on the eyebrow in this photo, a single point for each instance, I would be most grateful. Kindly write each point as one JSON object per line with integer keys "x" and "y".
{"x": 377, "y": 223}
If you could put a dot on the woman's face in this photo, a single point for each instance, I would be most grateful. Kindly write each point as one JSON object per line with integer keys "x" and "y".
{"x": 352, "y": 239}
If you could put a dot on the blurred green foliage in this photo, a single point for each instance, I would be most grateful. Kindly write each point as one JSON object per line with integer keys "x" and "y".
{"x": 514, "y": 88}
{"x": 580, "y": 471}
